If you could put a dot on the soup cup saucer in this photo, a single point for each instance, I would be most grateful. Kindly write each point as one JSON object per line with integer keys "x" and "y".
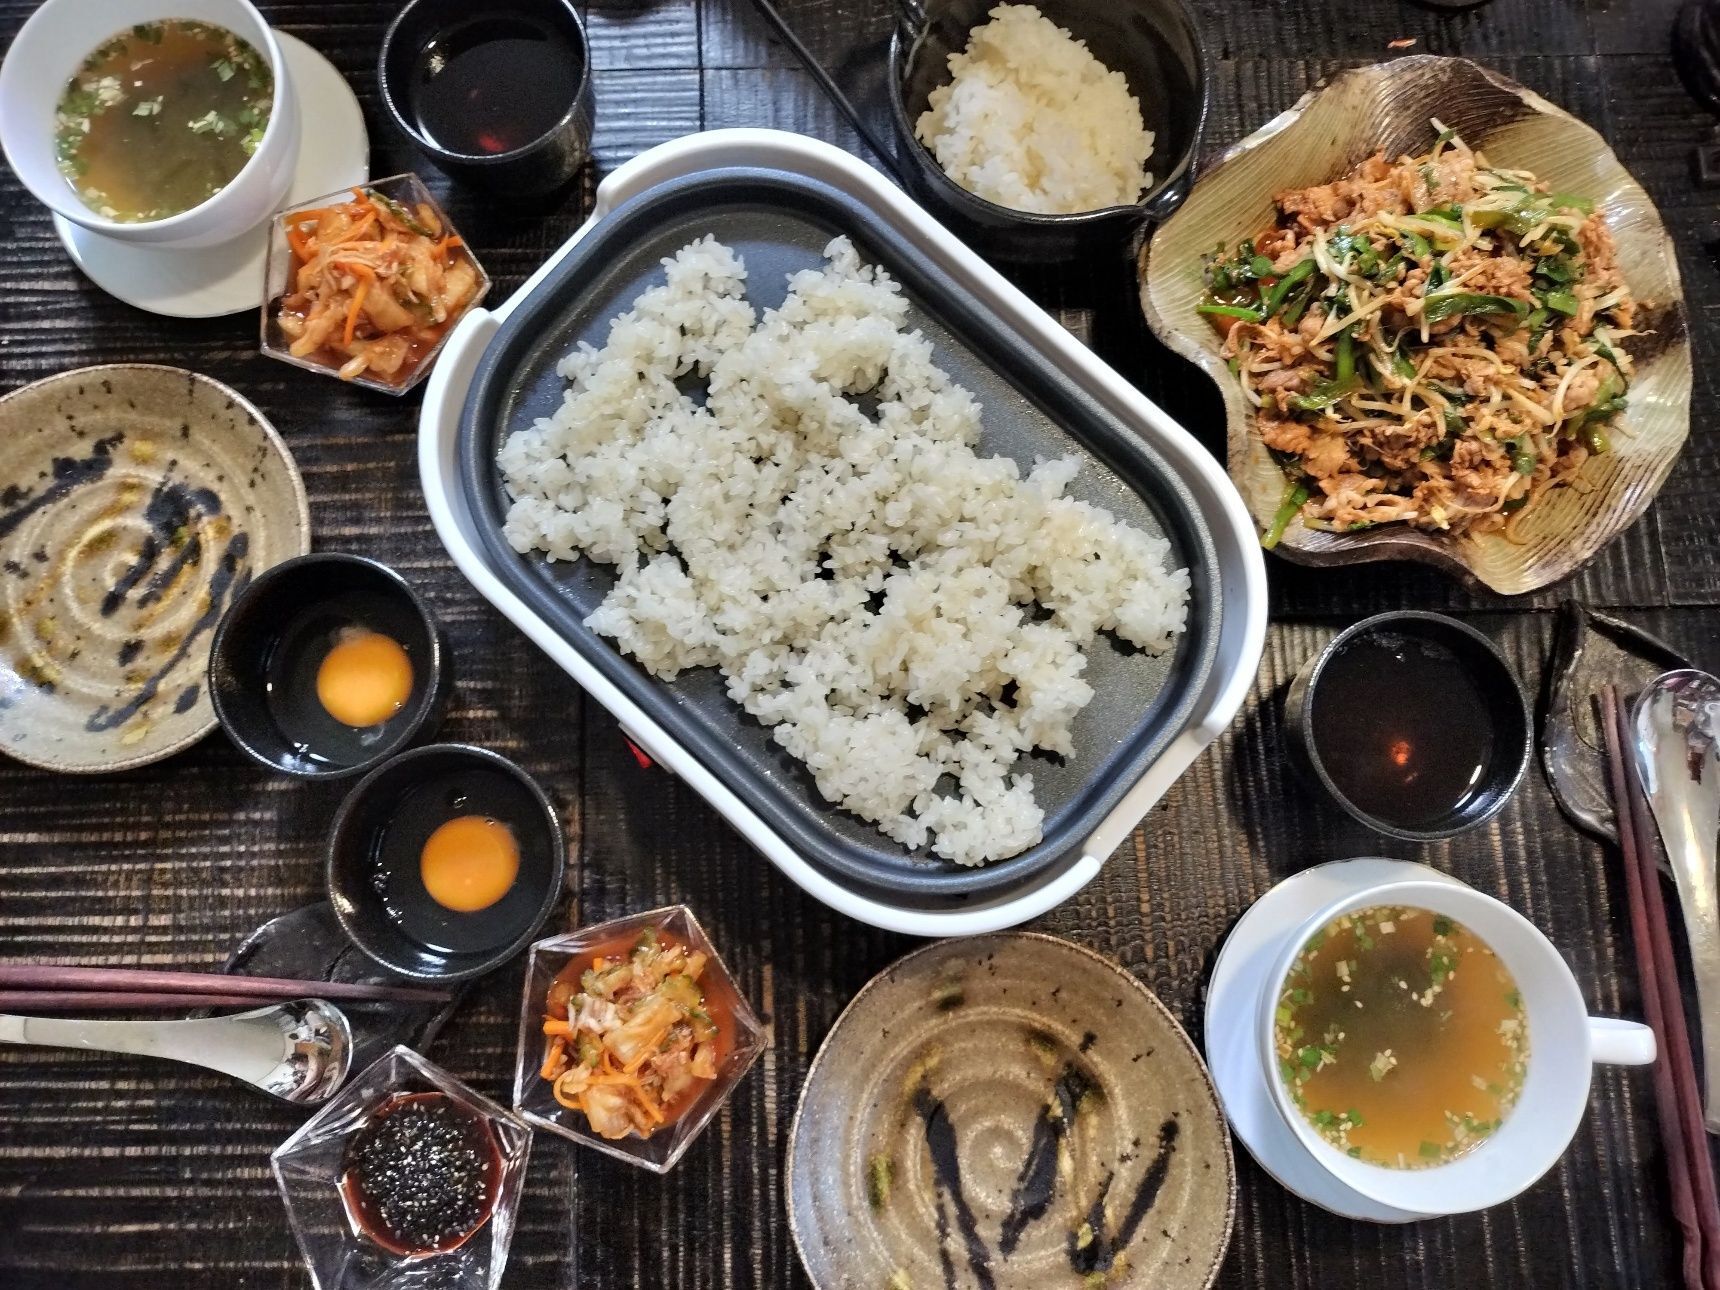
{"x": 1564, "y": 1041}
{"x": 207, "y": 282}
{"x": 1232, "y": 1003}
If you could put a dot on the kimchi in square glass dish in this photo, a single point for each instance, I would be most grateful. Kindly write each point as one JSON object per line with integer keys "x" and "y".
{"x": 632, "y": 1036}
{"x": 367, "y": 284}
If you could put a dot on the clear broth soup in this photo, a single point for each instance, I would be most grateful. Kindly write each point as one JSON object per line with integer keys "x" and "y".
{"x": 1401, "y": 1037}
{"x": 160, "y": 118}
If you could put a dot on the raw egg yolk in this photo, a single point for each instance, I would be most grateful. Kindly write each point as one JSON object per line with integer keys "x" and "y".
{"x": 365, "y": 679}
{"x": 469, "y": 863}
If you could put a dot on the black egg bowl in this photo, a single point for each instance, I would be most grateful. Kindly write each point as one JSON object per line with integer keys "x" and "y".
{"x": 388, "y": 807}
{"x": 1514, "y": 733}
{"x": 252, "y": 629}
{"x": 1155, "y": 44}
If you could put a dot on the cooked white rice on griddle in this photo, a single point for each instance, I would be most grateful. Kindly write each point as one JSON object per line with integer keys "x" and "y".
{"x": 866, "y": 582}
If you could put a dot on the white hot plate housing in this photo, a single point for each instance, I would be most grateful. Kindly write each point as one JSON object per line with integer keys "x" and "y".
{"x": 1242, "y": 567}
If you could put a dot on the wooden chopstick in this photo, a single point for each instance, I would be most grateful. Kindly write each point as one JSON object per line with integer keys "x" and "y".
{"x": 1679, "y": 1107}
{"x": 50, "y": 976}
{"x": 120, "y": 1001}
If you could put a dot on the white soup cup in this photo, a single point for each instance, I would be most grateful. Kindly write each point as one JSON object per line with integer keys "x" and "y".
{"x": 1564, "y": 1044}
{"x": 52, "y": 46}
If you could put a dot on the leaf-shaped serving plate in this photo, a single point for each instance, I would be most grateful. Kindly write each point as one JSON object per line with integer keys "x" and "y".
{"x": 1387, "y": 107}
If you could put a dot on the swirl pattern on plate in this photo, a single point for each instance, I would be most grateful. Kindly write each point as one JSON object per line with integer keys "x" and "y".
{"x": 138, "y": 500}
{"x": 1009, "y": 1110}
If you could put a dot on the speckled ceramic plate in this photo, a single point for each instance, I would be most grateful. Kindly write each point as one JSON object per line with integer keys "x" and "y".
{"x": 1387, "y": 107}
{"x": 135, "y": 502}
{"x": 1009, "y": 1111}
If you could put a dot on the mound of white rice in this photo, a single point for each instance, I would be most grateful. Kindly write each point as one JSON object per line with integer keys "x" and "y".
{"x": 864, "y": 580}
{"x": 1033, "y": 121}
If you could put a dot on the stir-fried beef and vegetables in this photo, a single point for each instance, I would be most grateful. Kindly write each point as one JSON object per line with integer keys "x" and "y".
{"x": 630, "y": 1036}
{"x": 1435, "y": 341}
{"x": 374, "y": 284}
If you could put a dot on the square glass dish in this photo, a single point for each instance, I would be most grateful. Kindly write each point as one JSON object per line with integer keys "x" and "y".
{"x": 391, "y": 279}
{"x": 741, "y": 1036}
{"x": 347, "y": 1242}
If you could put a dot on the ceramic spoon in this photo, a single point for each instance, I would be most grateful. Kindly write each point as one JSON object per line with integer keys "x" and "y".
{"x": 299, "y": 1051}
{"x": 1677, "y": 722}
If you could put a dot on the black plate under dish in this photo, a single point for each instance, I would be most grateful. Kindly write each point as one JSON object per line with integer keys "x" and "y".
{"x": 779, "y": 223}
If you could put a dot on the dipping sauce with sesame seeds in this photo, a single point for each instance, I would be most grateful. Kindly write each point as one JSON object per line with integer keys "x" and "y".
{"x": 422, "y": 1176}
{"x": 1401, "y": 1037}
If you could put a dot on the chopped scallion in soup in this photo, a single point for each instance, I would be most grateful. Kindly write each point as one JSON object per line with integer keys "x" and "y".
{"x": 160, "y": 118}
{"x": 1401, "y": 1037}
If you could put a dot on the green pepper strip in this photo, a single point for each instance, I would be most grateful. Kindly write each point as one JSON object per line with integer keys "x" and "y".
{"x": 1595, "y": 439}
{"x": 1304, "y": 298}
{"x": 1523, "y": 460}
{"x": 1570, "y": 201}
{"x": 1347, "y": 355}
{"x": 1564, "y": 302}
{"x": 1322, "y": 396}
{"x": 1453, "y": 304}
{"x": 1357, "y": 250}
{"x": 1230, "y": 311}
{"x": 1326, "y": 393}
{"x": 1274, "y": 295}
{"x": 1555, "y": 268}
{"x": 1294, "y": 498}
{"x": 1608, "y": 396}
{"x": 1490, "y": 217}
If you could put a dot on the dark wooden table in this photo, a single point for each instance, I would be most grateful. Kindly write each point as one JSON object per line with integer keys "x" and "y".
{"x": 126, "y": 1175}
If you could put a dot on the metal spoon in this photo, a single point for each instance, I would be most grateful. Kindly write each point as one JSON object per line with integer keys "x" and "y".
{"x": 299, "y": 1051}
{"x": 1677, "y": 719}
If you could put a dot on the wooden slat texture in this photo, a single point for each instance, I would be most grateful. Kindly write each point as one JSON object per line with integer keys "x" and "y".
{"x": 733, "y": 35}
{"x": 784, "y": 98}
{"x": 124, "y": 1175}
{"x": 662, "y": 35}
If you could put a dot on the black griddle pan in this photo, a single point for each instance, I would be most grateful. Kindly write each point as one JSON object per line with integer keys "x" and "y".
{"x": 780, "y": 222}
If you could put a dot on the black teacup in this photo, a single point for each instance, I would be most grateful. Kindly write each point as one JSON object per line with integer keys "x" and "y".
{"x": 500, "y": 97}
